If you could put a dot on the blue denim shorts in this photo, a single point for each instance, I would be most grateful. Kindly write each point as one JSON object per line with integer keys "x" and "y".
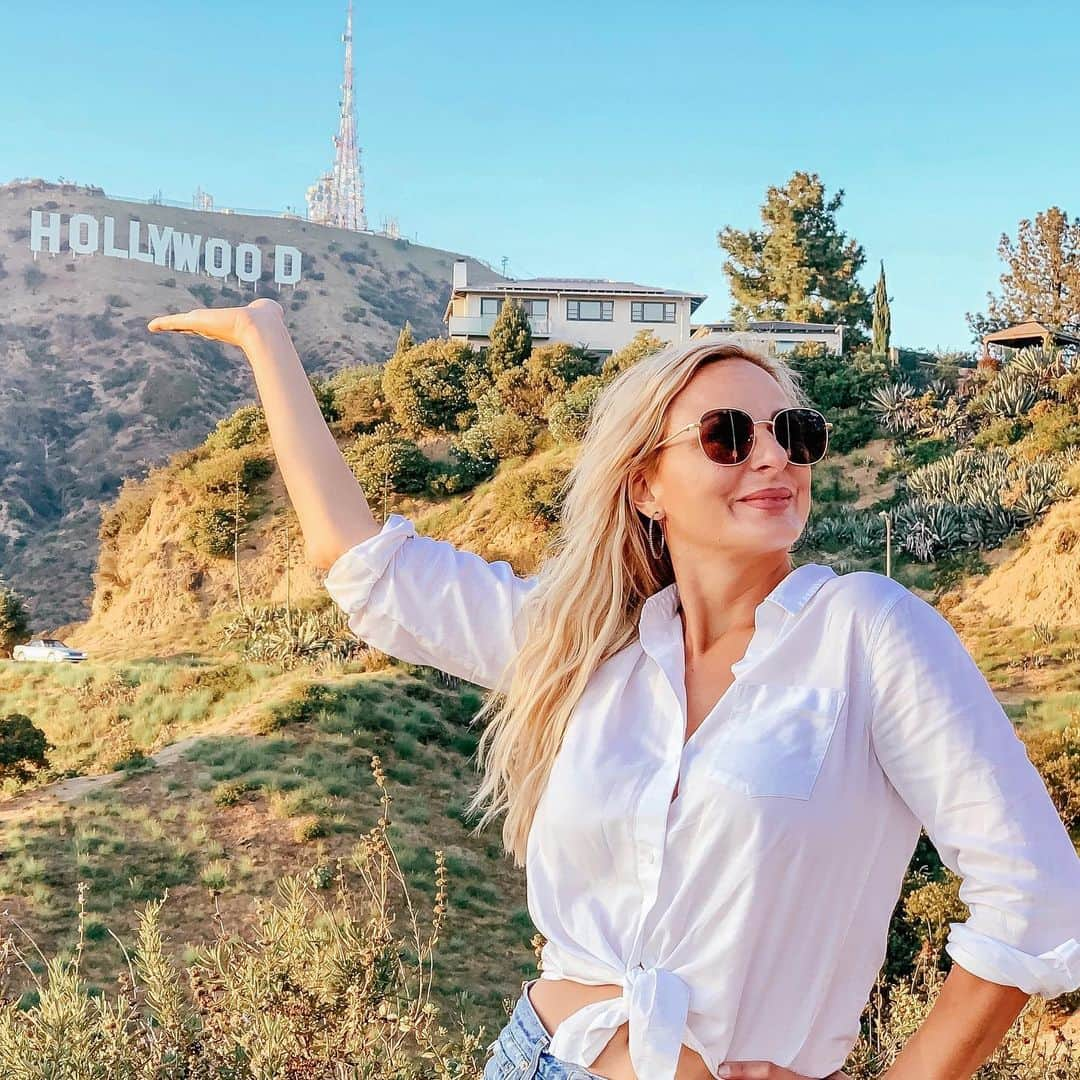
{"x": 520, "y": 1051}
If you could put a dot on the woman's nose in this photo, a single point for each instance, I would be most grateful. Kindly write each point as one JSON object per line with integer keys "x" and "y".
{"x": 766, "y": 442}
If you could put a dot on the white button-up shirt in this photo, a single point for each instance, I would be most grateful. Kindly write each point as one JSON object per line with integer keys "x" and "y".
{"x": 748, "y": 917}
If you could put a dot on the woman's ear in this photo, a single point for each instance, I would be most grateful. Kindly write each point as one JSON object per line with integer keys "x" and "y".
{"x": 641, "y": 494}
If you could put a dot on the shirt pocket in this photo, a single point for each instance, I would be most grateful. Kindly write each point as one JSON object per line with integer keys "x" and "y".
{"x": 775, "y": 738}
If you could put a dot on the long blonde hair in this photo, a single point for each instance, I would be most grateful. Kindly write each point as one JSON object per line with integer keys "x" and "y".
{"x": 589, "y": 590}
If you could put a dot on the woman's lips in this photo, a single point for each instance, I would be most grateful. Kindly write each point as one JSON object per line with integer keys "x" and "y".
{"x": 768, "y": 503}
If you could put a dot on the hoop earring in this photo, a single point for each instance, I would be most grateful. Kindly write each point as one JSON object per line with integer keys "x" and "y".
{"x": 656, "y": 554}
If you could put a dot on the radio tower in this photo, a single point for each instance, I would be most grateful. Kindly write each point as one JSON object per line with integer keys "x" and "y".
{"x": 337, "y": 197}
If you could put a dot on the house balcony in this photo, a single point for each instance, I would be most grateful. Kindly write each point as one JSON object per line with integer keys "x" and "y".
{"x": 480, "y": 325}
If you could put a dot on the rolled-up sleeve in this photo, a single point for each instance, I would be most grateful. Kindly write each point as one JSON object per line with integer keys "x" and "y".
{"x": 426, "y": 601}
{"x": 953, "y": 755}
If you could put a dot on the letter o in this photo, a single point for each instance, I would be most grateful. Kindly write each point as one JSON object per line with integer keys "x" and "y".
{"x": 218, "y": 257}
{"x": 75, "y": 228}
{"x": 244, "y": 252}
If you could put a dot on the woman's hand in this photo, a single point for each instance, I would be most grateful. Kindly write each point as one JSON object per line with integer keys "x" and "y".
{"x": 231, "y": 325}
{"x": 766, "y": 1070}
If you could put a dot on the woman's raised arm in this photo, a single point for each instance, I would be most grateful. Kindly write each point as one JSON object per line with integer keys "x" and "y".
{"x": 333, "y": 513}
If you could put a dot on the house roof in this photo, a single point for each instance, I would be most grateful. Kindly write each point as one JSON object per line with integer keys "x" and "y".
{"x": 572, "y": 287}
{"x": 1032, "y": 332}
{"x": 778, "y": 326}
{"x": 581, "y": 286}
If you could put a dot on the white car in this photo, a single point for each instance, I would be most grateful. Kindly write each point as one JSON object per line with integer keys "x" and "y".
{"x": 47, "y": 649}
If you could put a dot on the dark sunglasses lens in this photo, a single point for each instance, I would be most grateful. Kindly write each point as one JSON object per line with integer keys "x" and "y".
{"x": 803, "y": 434}
{"x": 727, "y": 435}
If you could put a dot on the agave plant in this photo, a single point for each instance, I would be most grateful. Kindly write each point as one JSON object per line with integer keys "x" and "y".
{"x": 928, "y": 530}
{"x": 277, "y": 635}
{"x": 1040, "y": 365}
{"x": 892, "y": 404}
{"x": 941, "y": 388}
{"x": 1009, "y": 396}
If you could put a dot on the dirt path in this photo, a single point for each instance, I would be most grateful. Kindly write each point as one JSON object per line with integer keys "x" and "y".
{"x": 75, "y": 787}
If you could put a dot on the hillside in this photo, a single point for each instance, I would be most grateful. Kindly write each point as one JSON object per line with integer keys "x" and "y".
{"x": 90, "y": 397}
{"x": 182, "y": 760}
{"x": 1038, "y": 583}
{"x": 251, "y": 783}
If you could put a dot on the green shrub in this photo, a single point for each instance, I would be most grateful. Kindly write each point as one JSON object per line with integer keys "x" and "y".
{"x": 170, "y": 395}
{"x": 498, "y": 433}
{"x": 465, "y": 469}
{"x": 379, "y": 459}
{"x": 214, "y": 485}
{"x": 14, "y": 619}
{"x": 645, "y": 343}
{"x": 246, "y": 426}
{"x": 534, "y": 494}
{"x": 203, "y": 293}
{"x": 1001, "y": 432}
{"x": 309, "y": 827}
{"x": 314, "y": 698}
{"x": 568, "y": 416}
{"x": 32, "y": 278}
{"x": 852, "y": 427}
{"x": 1056, "y": 754}
{"x": 230, "y": 792}
{"x": 361, "y": 404}
{"x": 427, "y": 387}
{"x": 129, "y": 510}
{"x": 1053, "y": 427}
{"x": 23, "y": 747}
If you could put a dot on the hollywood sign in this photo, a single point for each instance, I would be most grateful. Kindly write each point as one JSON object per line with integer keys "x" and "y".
{"x": 163, "y": 246}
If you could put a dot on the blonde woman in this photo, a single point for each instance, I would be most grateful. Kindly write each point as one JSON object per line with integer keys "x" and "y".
{"x": 714, "y": 765}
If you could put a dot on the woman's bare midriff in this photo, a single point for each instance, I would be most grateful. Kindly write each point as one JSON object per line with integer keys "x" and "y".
{"x": 554, "y": 1000}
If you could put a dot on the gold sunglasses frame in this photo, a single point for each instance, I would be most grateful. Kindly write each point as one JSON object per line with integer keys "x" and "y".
{"x": 730, "y": 464}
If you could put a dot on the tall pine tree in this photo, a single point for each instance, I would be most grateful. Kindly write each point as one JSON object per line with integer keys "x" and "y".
{"x": 510, "y": 338}
{"x": 799, "y": 265}
{"x": 882, "y": 317}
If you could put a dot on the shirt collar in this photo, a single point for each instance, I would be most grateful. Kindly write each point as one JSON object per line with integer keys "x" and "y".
{"x": 791, "y": 594}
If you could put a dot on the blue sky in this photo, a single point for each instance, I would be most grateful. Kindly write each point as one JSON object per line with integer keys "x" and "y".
{"x": 587, "y": 140}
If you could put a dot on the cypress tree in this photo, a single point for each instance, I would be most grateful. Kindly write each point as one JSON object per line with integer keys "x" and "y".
{"x": 882, "y": 318}
{"x": 405, "y": 339}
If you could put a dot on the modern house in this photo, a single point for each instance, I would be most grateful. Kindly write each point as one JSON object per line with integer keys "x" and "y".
{"x": 777, "y": 337}
{"x": 593, "y": 313}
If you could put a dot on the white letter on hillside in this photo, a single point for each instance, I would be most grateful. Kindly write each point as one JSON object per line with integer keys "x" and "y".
{"x": 75, "y": 238}
{"x": 110, "y": 240}
{"x": 246, "y": 253}
{"x": 217, "y": 256}
{"x": 134, "y": 229}
{"x": 286, "y": 273}
{"x": 160, "y": 237}
{"x": 39, "y": 229}
{"x": 185, "y": 251}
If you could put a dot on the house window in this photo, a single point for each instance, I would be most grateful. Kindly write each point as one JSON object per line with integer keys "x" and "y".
{"x": 590, "y": 310}
{"x": 651, "y": 311}
{"x": 538, "y": 309}
{"x": 490, "y": 305}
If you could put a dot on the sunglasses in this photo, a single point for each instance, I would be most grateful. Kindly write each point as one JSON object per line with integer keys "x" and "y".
{"x": 727, "y": 435}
